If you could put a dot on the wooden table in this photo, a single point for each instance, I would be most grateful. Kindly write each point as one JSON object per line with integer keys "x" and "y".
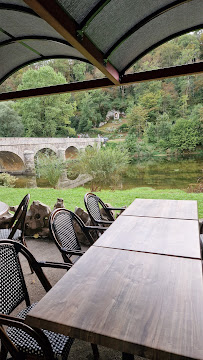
{"x": 137, "y": 302}
{"x": 155, "y": 235}
{"x": 170, "y": 209}
{"x": 128, "y": 301}
{"x": 3, "y": 208}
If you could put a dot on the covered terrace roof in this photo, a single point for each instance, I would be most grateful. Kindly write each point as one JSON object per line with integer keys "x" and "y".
{"x": 110, "y": 34}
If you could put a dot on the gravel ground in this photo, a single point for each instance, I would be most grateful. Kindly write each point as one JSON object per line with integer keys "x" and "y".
{"x": 45, "y": 249}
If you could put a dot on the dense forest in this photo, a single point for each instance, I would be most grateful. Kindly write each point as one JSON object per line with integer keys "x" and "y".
{"x": 165, "y": 114}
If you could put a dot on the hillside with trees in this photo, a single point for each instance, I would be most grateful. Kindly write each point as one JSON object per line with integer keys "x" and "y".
{"x": 165, "y": 114}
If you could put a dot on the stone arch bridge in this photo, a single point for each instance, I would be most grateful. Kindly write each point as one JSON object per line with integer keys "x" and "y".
{"x": 25, "y": 149}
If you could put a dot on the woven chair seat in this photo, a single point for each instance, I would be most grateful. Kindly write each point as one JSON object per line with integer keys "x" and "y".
{"x": 4, "y": 234}
{"x": 60, "y": 344}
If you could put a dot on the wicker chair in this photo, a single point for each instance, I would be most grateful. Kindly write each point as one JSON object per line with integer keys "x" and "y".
{"x": 16, "y": 230}
{"x": 93, "y": 205}
{"x": 19, "y": 339}
{"x": 61, "y": 225}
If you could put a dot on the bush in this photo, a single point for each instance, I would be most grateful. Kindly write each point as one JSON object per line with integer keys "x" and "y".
{"x": 138, "y": 148}
{"x": 105, "y": 166}
{"x": 123, "y": 128}
{"x": 50, "y": 167}
{"x": 7, "y": 180}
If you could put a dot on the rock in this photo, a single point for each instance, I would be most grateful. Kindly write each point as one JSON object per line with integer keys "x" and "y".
{"x": 5, "y": 220}
{"x": 13, "y": 208}
{"x": 37, "y": 219}
{"x": 59, "y": 204}
{"x": 82, "y": 214}
{"x": 87, "y": 221}
{"x": 104, "y": 214}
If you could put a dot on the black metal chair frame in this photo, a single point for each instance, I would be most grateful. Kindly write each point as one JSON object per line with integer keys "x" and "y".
{"x": 18, "y": 220}
{"x": 8, "y": 320}
{"x": 201, "y": 239}
{"x": 107, "y": 209}
{"x": 67, "y": 252}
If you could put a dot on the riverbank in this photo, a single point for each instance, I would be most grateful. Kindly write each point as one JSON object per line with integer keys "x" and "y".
{"x": 74, "y": 197}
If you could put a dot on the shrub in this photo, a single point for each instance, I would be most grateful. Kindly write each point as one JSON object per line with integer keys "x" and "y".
{"x": 7, "y": 180}
{"x": 50, "y": 167}
{"x": 105, "y": 166}
{"x": 123, "y": 128}
{"x": 138, "y": 148}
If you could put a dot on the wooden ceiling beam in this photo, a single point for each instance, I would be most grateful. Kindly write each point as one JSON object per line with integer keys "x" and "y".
{"x": 54, "y": 15}
{"x": 57, "y": 89}
{"x": 190, "y": 69}
{"x": 164, "y": 73}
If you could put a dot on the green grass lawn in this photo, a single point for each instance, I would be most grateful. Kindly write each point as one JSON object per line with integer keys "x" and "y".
{"x": 74, "y": 197}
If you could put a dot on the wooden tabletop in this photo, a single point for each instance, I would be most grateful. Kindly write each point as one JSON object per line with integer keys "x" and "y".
{"x": 156, "y": 235}
{"x": 174, "y": 209}
{"x": 3, "y": 208}
{"x": 129, "y": 301}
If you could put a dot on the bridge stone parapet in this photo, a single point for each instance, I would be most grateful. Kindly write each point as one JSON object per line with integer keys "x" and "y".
{"x": 26, "y": 148}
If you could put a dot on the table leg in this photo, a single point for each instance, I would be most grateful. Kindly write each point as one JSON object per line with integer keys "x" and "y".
{"x": 95, "y": 351}
{"x": 126, "y": 356}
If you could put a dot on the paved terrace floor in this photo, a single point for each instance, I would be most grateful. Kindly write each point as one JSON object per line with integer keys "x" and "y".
{"x": 45, "y": 249}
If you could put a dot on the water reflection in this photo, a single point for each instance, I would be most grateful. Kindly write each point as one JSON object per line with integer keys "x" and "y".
{"x": 158, "y": 173}
{"x": 165, "y": 173}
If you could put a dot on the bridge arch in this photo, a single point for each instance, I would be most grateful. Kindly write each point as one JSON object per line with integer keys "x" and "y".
{"x": 88, "y": 147}
{"x": 11, "y": 162}
{"x": 45, "y": 151}
{"x": 71, "y": 152}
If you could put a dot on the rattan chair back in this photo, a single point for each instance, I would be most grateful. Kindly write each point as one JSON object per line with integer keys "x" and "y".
{"x": 62, "y": 224}
{"x": 12, "y": 285}
{"x": 93, "y": 204}
{"x": 19, "y": 339}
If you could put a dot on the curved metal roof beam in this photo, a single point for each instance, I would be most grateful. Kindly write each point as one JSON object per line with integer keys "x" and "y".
{"x": 19, "y": 8}
{"x": 142, "y": 23}
{"x": 33, "y": 37}
{"x": 53, "y": 14}
{"x": 91, "y": 15}
{"x": 159, "y": 43}
{"x": 37, "y": 60}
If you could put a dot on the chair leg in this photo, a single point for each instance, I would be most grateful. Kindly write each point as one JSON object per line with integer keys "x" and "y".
{"x": 3, "y": 353}
{"x": 24, "y": 243}
{"x": 95, "y": 351}
{"x": 126, "y": 356}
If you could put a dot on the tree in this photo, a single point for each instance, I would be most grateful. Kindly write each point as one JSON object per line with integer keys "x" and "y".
{"x": 159, "y": 133}
{"x": 79, "y": 70}
{"x": 92, "y": 109}
{"x": 151, "y": 101}
{"x": 11, "y": 123}
{"x": 137, "y": 118}
{"x": 185, "y": 134}
{"x": 47, "y": 115}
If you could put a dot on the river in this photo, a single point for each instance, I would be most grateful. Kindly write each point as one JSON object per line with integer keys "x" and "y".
{"x": 158, "y": 173}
